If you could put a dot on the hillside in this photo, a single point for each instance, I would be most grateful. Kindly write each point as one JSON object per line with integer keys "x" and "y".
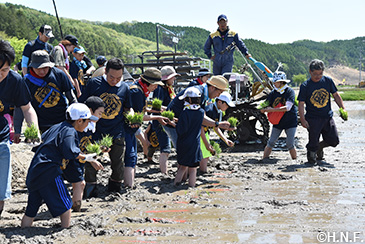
{"x": 129, "y": 39}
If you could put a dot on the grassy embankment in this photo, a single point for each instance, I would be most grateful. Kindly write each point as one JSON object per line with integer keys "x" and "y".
{"x": 352, "y": 94}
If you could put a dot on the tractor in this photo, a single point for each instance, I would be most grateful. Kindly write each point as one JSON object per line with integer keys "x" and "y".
{"x": 253, "y": 126}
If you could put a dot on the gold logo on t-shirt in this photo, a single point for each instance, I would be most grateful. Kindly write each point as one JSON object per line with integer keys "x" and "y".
{"x": 320, "y": 98}
{"x": 113, "y": 105}
{"x": 80, "y": 77}
{"x": 277, "y": 101}
{"x": 1, "y": 106}
{"x": 42, "y": 92}
{"x": 64, "y": 163}
{"x": 86, "y": 140}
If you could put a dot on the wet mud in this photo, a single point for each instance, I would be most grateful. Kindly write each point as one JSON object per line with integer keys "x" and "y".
{"x": 241, "y": 200}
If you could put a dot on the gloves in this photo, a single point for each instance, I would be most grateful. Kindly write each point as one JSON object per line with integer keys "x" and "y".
{"x": 90, "y": 157}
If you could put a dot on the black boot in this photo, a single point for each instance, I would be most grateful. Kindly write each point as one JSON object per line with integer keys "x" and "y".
{"x": 114, "y": 186}
{"x": 320, "y": 154}
{"x": 90, "y": 190}
{"x": 311, "y": 156}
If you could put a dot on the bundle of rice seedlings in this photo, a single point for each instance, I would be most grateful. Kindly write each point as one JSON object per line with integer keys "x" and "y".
{"x": 233, "y": 121}
{"x": 343, "y": 114}
{"x": 105, "y": 142}
{"x": 156, "y": 104}
{"x": 168, "y": 114}
{"x": 216, "y": 148}
{"x": 136, "y": 118}
{"x": 31, "y": 133}
{"x": 263, "y": 105}
{"x": 93, "y": 148}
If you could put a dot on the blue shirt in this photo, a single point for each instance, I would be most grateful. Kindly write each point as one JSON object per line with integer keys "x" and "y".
{"x": 188, "y": 137}
{"x": 290, "y": 118}
{"x": 138, "y": 100}
{"x": 177, "y": 105}
{"x": 316, "y": 96}
{"x": 77, "y": 73}
{"x": 212, "y": 111}
{"x": 60, "y": 144}
{"x": 35, "y": 45}
{"x": 13, "y": 91}
{"x": 53, "y": 109}
{"x": 116, "y": 99}
{"x": 220, "y": 42}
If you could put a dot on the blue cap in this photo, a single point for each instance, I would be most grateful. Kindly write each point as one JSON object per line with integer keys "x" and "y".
{"x": 101, "y": 60}
{"x": 222, "y": 16}
{"x": 79, "y": 49}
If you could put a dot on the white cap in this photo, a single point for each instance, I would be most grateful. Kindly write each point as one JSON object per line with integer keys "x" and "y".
{"x": 226, "y": 97}
{"x": 190, "y": 92}
{"x": 78, "y": 111}
{"x": 279, "y": 76}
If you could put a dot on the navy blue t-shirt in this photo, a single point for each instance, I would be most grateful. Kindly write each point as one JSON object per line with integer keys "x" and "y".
{"x": 116, "y": 99}
{"x": 188, "y": 137}
{"x": 177, "y": 105}
{"x": 290, "y": 118}
{"x": 77, "y": 72}
{"x": 212, "y": 112}
{"x": 60, "y": 144}
{"x": 138, "y": 100}
{"x": 13, "y": 91}
{"x": 53, "y": 109}
{"x": 162, "y": 93}
{"x": 316, "y": 96}
{"x": 35, "y": 45}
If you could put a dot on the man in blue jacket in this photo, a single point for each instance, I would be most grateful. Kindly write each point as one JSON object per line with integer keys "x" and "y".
{"x": 221, "y": 39}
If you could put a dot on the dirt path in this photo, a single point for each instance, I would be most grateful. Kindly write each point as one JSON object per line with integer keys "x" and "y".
{"x": 241, "y": 200}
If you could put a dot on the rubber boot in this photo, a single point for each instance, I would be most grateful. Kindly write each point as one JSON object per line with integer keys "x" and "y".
{"x": 90, "y": 190}
{"x": 320, "y": 154}
{"x": 114, "y": 186}
{"x": 311, "y": 156}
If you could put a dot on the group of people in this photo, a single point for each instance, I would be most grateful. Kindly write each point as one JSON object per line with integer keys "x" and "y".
{"x": 71, "y": 113}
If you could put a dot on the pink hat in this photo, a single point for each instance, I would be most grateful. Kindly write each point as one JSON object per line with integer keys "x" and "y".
{"x": 168, "y": 72}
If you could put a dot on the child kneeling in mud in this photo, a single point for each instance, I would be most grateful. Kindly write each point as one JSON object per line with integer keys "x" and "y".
{"x": 60, "y": 144}
{"x": 188, "y": 136}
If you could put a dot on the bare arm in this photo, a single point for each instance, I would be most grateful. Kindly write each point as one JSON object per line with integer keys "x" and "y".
{"x": 75, "y": 83}
{"x": 338, "y": 100}
{"x": 301, "y": 114}
{"x": 30, "y": 116}
{"x": 211, "y": 123}
{"x": 223, "y": 137}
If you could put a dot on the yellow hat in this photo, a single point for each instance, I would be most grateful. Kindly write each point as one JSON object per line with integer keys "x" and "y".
{"x": 219, "y": 82}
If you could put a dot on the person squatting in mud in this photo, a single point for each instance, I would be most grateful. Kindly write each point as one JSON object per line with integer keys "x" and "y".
{"x": 45, "y": 183}
{"x": 75, "y": 169}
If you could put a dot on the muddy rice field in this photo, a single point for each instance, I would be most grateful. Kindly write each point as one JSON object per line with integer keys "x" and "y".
{"x": 241, "y": 200}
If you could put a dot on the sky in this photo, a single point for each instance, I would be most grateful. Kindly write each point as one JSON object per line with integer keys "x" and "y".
{"x": 270, "y": 21}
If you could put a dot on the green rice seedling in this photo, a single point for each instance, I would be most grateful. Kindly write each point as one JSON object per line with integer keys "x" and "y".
{"x": 168, "y": 114}
{"x": 263, "y": 105}
{"x": 343, "y": 114}
{"x": 106, "y": 142}
{"x": 31, "y": 133}
{"x": 93, "y": 148}
{"x": 216, "y": 148}
{"x": 156, "y": 104}
{"x": 136, "y": 118}
{"x": 233, "y": 121}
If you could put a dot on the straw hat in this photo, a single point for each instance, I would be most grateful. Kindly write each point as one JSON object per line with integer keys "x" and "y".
{"x": 219, "y": 82}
